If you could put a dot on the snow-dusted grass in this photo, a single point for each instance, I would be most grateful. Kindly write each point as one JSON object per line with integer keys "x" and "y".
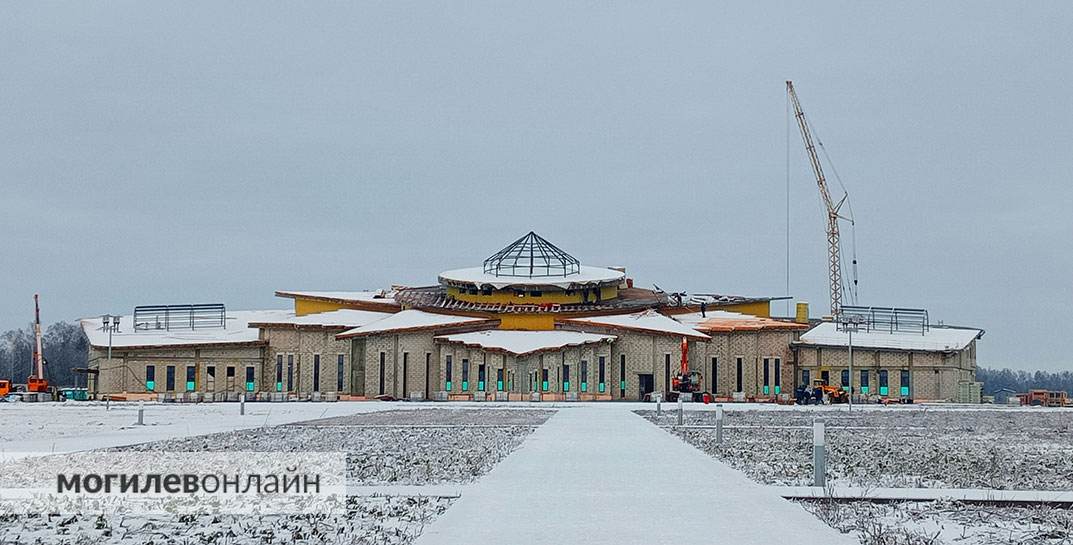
{"x": 408, "y": 447}
{"x": 945, "y": 522}
{"x": 369, "y": 520}
{"x": 990, "y": 449}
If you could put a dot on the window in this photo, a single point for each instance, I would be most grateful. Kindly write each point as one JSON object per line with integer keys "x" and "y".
{"x": 499, "y": 379}
{"x": 884, "y": 386}
{"x": 211, "y": 371}
{"x": 383, "y": 363}
{"x": 602, "y": 372}
{"x": 191, "y": 378}
{"x": 471, "y": 291}
{"x": 767, "y": 376}
{"x": 481, "y": 377}
{"x": 715, "y": 375}
{"x": 290, "y": 372}
{"x": 845, "y": 378}
{"x": 279, "y": 372}
{"x": 825, "y": 377}
{"x": 150, "y": 377}
{"x": 536, "y": 294}
{"x": 566, "y": 378}
{"x": 316, "y": 372}
{"x": 584, "y": 376}
{"x": 447, "y": 374}
{"x": 169, "y": 380}
{"x": 486, "y": 291}
{"x": 667, "y": 373}
{"x": 864, "y": 381}
{"x": 465, "y": 375}
{"x": 904, "y": 383}
{"x": 740, "y": 363}
{"x": 340, "y": 372}
{"x": 249, "y": 378}
{"x": 230, "y": 371}
{"x": 405, "y": 374}
{"x": 778, "y": 376}
{"x": 544, "y": 379}
{"x": 805, "y": 378}
{"x": 622, "y": 375}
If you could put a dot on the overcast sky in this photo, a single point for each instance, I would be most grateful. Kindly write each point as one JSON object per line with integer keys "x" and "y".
{"x": 188, "y": 152}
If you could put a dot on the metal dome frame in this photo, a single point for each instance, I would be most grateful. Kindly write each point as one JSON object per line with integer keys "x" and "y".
{"x": 532, "y": 256}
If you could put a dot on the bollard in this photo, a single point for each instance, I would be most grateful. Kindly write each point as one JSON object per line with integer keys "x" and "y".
{"x": 680, "y": 409}
{"x": 242, "y": 404}
{"x": 659, "y": 406}
{"x": 719, "y": 424}
{"x": 819, "y": 454}
{"x": 107, "y": 403}
{"x": 141, "y": 413}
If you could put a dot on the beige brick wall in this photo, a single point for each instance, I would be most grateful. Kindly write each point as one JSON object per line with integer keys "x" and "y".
{"x": 127, "y": 370}
{"x": 298, "y": 349}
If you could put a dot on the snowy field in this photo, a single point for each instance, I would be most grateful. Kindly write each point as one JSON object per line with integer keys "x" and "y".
{"x": 906, "y": 447}
{"x": 386, "y": 444}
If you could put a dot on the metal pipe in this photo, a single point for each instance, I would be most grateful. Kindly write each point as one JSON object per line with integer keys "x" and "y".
{"x": 819, "y": 454}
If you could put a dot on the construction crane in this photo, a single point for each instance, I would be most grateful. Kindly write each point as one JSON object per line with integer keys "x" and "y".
{"x": 834, "y": 248}
{"x": 37, "y": 381}
{"x": 685, "y": 383}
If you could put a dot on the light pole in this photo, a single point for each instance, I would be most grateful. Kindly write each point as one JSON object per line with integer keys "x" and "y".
{"x": 850, "y": 324}
{"x": 110, "y": 322}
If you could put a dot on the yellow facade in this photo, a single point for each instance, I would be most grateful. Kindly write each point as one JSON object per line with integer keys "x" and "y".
{"x": 526, "y": 322}
{"x": 761, "y": 309}
{"x": 303, "y": 307}
{"x": 510, "y": 297}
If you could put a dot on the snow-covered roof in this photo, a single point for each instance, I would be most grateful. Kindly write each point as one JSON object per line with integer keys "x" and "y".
{"x": 236, "y": 330}
{"x": 722, "y": 321}
{"x": 586, "y": 276}
{"x": 522, "y": 343}
{"x": 365, "y": 296}
{"x": 648, "y": 321}
{"x": 411, "y": 320}
{"x": 334, "y": 318}
{"x": 935, "y": 339}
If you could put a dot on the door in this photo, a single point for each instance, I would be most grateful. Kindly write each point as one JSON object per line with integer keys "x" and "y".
{"x": 646, "y": 384}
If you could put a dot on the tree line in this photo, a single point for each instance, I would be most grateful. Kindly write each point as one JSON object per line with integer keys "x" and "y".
{"x": 996, "y": 380}
{"x": 64, "y": 345}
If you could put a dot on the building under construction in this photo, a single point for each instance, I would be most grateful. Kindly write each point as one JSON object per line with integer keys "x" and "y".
{"x": 530, "y": 323}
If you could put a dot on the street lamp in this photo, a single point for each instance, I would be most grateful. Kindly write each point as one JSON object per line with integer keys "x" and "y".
{"x": 850, "y": 324}
{"x": 109, "y": 323}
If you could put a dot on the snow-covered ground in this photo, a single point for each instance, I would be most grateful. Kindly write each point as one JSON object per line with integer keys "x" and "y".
{"x": 417, "y": 444}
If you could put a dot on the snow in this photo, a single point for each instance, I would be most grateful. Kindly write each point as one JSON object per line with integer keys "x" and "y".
{"x": 365, "y": 296}
{"x": 721, "y": 321}
{"x": 410, "y": 319}
{"x": 236, "y": 330}
{"x": 521, "y": 343}
{"x": 648, "y": 321}
{"x": 936, "y": 339}
{"x": 601, "y": 475}
{"x": 979, "y": 495}
{"x": 586, "y": 276}
{"x": 694, "y": 319}
{"x": 336, "y": 318}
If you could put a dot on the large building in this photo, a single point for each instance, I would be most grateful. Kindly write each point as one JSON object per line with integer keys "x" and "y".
{"x": 531, "y": 323}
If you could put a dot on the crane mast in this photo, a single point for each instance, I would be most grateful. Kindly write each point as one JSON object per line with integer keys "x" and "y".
{"x": 833, "y": 246}
{"x": 39, "y": 357}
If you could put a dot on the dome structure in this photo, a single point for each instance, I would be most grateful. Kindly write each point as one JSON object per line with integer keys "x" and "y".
{"x": 531, "y": 256}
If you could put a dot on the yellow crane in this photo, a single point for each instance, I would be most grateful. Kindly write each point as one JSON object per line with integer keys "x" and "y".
{"x": 834, "y": 248}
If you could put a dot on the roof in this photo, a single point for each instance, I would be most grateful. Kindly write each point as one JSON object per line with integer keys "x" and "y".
{"x": 722, "y": 321}
{"x": 343, "y": 318}
{"x": 364, "y": 296}
{"x": 935, "y": 339}
{"x": 236, "y": 331}
{"x": 648, "y": 321}
{"x": 531, "y": 256}
{"x": 412, "y": 320}
{"x": 522, "y": 343}
{"x": 629, "y": 300}
{"x": 585, "y": 276}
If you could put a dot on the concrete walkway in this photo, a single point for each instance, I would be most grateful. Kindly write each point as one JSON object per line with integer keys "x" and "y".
{"x": 598, "y": 475}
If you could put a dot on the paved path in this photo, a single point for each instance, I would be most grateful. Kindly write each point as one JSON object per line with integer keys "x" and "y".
{"x": 593, "y": 475}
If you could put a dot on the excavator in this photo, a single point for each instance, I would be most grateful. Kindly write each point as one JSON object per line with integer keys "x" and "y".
{"x": 685, "y": 382}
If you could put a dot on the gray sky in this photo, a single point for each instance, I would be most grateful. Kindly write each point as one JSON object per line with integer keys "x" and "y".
{"x": 201, "y": 152}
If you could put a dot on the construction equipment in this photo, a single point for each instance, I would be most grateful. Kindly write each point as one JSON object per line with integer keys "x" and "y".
{"x": 5, "y": 388}
{"x": 685, "y": 382}
{"x": 834, "y": 209}
{"x": 37, "y": 383}
{"x": 834, "y": 394}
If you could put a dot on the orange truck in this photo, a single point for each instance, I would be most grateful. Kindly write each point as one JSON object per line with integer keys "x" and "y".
{"x": 5, "y": 387}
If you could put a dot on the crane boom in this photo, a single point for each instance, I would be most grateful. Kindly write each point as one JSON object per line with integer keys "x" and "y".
{"x": 39, "y": 356}
{"x": 833, "y": 246}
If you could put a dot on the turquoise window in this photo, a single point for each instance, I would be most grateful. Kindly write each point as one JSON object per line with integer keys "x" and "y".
{"x": 249, "y": 386}
{"x": 883, "y": 390}
{"x": 150, "y": 385}
{"x": 448, "y": 386}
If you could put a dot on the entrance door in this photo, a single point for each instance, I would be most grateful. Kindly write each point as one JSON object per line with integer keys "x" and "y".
{"x": 646, "y": 385}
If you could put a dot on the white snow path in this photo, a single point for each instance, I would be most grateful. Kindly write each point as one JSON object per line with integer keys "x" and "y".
{"x": 608, "y": 476}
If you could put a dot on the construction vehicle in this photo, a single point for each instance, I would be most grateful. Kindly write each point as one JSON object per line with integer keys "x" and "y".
{"x": 834, "y": 210}
{"x": 36, "y": 382}
{"x": 686, "y": 382}
{"x": 833, "y": 394}
{"x": 1044, "y": 398}
{"x": 5, "y": 388}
